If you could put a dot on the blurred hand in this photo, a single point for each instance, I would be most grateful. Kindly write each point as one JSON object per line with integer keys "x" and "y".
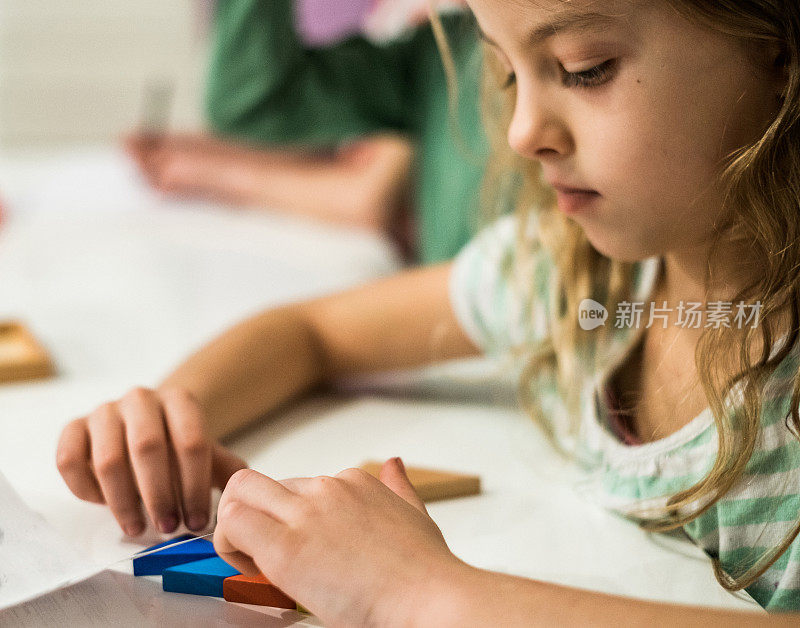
{"x": 194, "y": 165}
{"x": 150, "y": 448}
{"x": 351, "y": 548}
{"x": 365, "y": 183}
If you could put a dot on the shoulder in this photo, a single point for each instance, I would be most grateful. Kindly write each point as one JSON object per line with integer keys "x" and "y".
{"x": 762, "y": 510}
{"x": 504, "y": 284}
{"x": 500, "y": 285}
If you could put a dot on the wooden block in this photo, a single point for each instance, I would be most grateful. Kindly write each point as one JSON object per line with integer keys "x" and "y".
{"x": 255, "y": 590}
{"x": 21, "y": 356}
{"x": 204, "y": 577}
{"x": 431, "y": 484}
{"x": 155, "y": 564}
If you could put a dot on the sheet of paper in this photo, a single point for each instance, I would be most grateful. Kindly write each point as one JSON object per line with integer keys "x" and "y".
{"x": 94, "y": 602}
{"x": 112, "y": 598}
{"x": 34, "y": 559}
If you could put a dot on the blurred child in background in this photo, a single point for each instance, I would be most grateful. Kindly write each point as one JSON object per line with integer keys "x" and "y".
{"x": 328, "y": 131}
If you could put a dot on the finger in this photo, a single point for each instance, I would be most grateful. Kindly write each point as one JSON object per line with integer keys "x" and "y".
{"x": 393, "y": 475}
{"x": 258, "y": 491}
{"x": 133, "y": 142}
{"x": 150, "y": 456}
{"x": 174, "y": 175}
{"x": 151, "y": 152}
{"x": 297, "y": 485}
{"x": 190, "y": 174}
{"x": 224, "y": 463}
{"x": 242, "y": 533}
{"x": 73, "y": 456}
{"x": 111, "y": 466}
{"x": 141, "y": 148}
{"x": 157, "y": 162}
{"x": 184, "y": 420}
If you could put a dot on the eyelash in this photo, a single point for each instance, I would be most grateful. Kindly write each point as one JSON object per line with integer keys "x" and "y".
{"x": 511, "y": 78}
{"x": 593, "y": 77}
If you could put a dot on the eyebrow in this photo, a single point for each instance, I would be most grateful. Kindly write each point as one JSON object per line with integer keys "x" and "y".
{"x": 558, "y": 24}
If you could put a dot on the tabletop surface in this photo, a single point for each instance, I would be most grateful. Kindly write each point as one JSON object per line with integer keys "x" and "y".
{"x": 120, "y": 284}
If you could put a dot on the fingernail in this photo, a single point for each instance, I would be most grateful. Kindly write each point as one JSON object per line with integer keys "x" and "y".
{"x": 197, "y": 522}
{"x": 400, "y": 464}
{"x": 134, "y": 528}
{"x": 168, "y": 524}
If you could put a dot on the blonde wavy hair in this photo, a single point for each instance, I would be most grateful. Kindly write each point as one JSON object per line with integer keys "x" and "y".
{"x": 762, "y": 205}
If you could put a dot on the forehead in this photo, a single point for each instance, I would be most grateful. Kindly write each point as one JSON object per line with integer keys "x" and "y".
{"x": 536, "y": 20}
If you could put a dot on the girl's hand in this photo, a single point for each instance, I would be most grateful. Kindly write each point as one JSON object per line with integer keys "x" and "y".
{"x": 352, "y": 549}
{"x": 150, "y": 446}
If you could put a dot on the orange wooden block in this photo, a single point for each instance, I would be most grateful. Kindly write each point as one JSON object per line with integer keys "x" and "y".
{"x": 431, "y": 484}
{"x": 21, "y": 356}
{"x": 255, "y": 590}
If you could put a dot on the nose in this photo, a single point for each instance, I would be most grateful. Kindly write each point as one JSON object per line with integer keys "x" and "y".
{"x": 537, "y": 129}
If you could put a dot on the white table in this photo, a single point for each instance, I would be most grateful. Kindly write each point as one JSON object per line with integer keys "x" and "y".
{"x": 120, "y": 285}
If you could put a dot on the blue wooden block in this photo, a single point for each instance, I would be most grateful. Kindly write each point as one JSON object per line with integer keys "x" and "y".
{"x": 155, "y": 564}
{"x": 204, "y": 577}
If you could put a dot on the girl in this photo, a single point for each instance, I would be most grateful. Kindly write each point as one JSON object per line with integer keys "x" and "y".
{"x": 658, "y": 173}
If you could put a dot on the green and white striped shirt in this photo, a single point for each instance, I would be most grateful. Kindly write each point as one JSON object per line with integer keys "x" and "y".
{"x": 749, "y": 520}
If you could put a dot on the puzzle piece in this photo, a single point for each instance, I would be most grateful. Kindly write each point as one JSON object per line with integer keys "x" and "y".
{"x": 204, "y": 577}
{"x": 155, "y": 564}
{"x": 21, "y": 356}
{"x": 255, "y": 590}
{"x": 431, "y": 484}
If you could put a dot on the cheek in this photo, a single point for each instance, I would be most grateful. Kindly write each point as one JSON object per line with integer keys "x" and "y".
{"x": 657, "y": 175}
{"x": 672, "y": 135}
{"x": 661, "y": 151}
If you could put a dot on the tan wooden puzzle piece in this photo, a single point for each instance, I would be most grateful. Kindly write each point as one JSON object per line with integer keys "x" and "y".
{"x": 431, "y": 484}
{"x": 21, "y": 356}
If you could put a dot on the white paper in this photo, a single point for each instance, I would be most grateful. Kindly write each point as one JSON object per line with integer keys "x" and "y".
{"x": 95, "y": 602}
{"x": 34, "y": 558}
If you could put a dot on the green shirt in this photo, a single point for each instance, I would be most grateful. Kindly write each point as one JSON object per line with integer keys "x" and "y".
{"x": 266, "y": 87}
{"x": 502, "y": 303}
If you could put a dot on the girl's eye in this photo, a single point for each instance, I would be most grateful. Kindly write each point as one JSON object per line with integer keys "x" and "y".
{"x": 593, "y": 77}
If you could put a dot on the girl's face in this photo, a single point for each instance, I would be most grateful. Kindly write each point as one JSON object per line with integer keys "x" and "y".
{"x": 635, "y": 105}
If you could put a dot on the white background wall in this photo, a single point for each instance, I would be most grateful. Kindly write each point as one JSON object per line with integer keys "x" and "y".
{"x": 75, "y": 70}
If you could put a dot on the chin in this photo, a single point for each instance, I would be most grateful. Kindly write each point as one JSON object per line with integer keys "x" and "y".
{"x": 621, "y": 249}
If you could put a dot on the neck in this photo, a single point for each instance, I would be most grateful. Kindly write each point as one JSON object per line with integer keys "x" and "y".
{"x": 684, "y": 279}
{"x": 685, "y": 274}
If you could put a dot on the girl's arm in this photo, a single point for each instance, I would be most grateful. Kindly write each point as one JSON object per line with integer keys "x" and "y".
{"x": 159, "y": 447}
{"x": 400, "y": 322}
{"x": 489, "y": 598}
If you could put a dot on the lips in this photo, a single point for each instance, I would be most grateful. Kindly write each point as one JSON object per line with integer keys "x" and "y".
{"x": 571, "y": 189}
{"x": 574, "y": 199}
